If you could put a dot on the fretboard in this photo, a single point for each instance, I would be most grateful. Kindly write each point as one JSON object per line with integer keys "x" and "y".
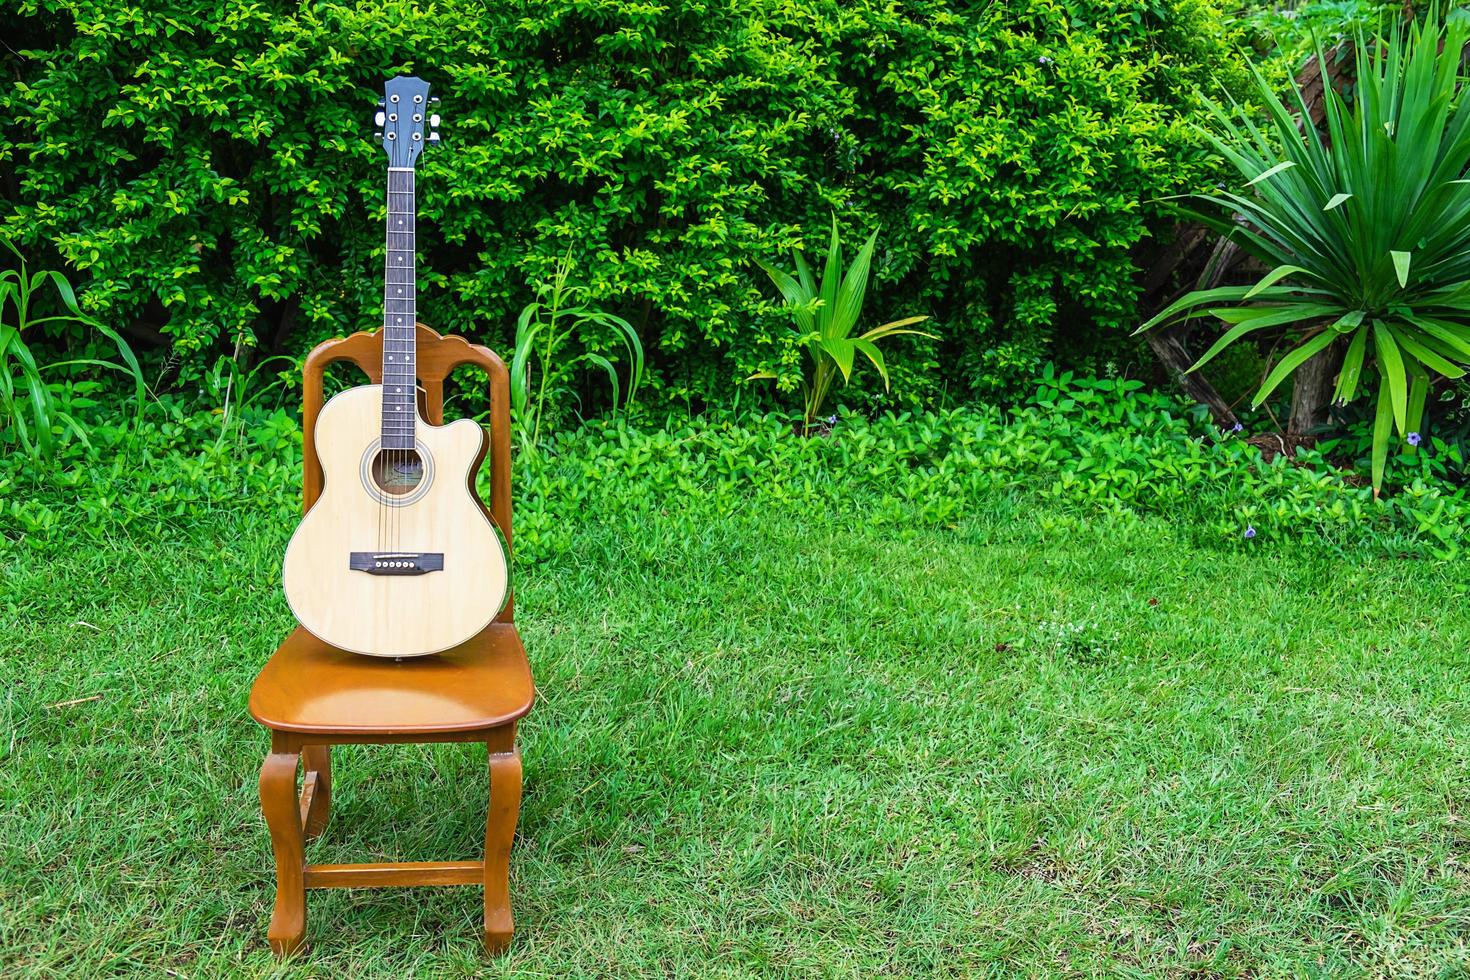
{"x": 398, "y": 314}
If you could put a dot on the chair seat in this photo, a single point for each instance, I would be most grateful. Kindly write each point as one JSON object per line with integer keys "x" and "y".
{"x": 308, "y": 686}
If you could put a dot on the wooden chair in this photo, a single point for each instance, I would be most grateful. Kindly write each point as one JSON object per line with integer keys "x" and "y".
{"x": 312, "y": 696}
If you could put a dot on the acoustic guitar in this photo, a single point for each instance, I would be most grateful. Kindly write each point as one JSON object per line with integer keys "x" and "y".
{"x": 396, "y": 558}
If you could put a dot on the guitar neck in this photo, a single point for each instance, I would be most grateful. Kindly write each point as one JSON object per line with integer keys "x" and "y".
{"x": 399, "y": 279}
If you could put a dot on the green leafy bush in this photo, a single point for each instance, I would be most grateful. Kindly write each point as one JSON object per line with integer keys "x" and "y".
{"x": 207, "y": 164}
{"x": 1088, "y": 447}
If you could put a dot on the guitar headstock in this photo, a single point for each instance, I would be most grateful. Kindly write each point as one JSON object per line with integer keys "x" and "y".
{"x": 406, "y": 120}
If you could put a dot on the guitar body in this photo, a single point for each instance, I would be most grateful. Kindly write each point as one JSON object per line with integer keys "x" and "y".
{"x": 396, "y": 558}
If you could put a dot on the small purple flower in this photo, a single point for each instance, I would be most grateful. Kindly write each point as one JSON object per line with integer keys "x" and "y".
{"x": 1250, "y": 532}
{"x": 1237, "y": 427}
{"x": 831, "y": 420}
{"x": 1043, "y": 60}
{"x": 1414, "y": 439}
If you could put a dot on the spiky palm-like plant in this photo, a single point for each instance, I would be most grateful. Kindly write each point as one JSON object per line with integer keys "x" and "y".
{"x": 1366, "y": 232}
{"x": 827, "y": 313}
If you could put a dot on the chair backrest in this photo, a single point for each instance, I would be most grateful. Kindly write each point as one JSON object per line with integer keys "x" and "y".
{"x": 437, "y": 356}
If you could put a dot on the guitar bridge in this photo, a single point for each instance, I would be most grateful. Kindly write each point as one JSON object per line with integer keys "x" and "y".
{"x": 396, "y": 562}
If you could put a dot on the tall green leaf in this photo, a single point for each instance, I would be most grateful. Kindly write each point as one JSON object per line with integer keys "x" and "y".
{"x": 828, "y": 338}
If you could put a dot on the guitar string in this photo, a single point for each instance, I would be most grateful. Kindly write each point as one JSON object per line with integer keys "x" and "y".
{"x": 399, "y": 419}
{"x": 406, "y": 408}
{"x": 376, "y": 468}
{"x": 410, "y": 404}
{"x": 389, "y": 378}
{"x": 396, "y": 402}
{"x": 387, "y": 436}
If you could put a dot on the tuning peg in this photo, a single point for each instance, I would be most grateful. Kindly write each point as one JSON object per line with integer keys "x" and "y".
{"x": 433, "y": 137}
{"x": 434, "y": 100}
{"x": 434, "y": 119}
{"x": 379, "y": 118}
{"x": 379, "y": 134}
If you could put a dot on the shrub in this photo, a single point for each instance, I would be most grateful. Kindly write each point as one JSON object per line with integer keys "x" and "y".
{"x": 206, "y": 163}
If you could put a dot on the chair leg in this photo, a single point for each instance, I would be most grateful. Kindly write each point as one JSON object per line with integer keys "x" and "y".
{"x": 500, "y": 830}
{"x": 316, "y": 763}
{"x": 283, "y": 815}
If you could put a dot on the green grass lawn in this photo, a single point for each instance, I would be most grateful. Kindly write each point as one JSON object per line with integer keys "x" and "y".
{"x": 1026, "y": 745}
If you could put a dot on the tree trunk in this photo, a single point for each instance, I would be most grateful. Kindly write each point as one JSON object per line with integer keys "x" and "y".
{"x": 1170, "y": 350}
{"x": 1311, "y": 391}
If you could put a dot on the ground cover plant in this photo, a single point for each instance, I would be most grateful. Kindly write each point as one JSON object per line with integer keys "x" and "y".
{"x": 1095, "y": 445}
{"x": 1035, "y": 735}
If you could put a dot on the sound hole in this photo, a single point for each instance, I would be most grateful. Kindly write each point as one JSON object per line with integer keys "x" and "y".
{"x": 398, "y": 472}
